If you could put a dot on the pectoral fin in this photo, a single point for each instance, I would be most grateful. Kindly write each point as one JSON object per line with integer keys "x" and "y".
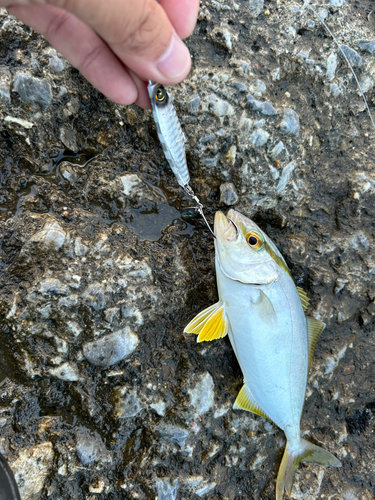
{"x": 303, "y": 297}
{"x": 314, "y": 329}
{"x": 246, "y": 401}
{"x": 209, "y": 324}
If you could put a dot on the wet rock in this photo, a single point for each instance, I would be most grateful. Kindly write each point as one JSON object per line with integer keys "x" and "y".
{"x": 94, "y": 296}
{"x": 52, "y": 236}
{"x": 112, "y": 348}
{"x": 202, "y": 395}
{"x": 167, "y": 488}
{"x": 219, "y": 107}
{"x": 228, "y": 194}
{"x": 5, "y": 77}
{"x": 132, "y": 185}
{"x": 67, "y": 372}
{"x": 68, "y": 138}
{"x": 173, "y": 433}
{"x": 352, "y": 55}
{"x": 56, "y": 63}
{"x": 285, "y": 176}
{"x": 33, "y": 90}
{"x": 68, "y": 172}
{"x": 31, "y": 469}
{"x": 90, "y": 447}
{"x": 290, "y": 124}
{"x": 367, "y": 45}
{"x": 331, "y": 66}
{"x": 53, "y": 286}
{"x": 255, "y": 7}
{"x": 263, "y": 107}
{"x": 259, "y": 138}
{"x": 194, "y": 103}
{"x": 127, "y": 403}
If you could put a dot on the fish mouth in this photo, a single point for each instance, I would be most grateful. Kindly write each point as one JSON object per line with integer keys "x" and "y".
{"x": 225, "y": 227}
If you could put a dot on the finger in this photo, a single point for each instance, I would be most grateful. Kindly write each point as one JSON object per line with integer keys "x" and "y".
{"x": 140, "y": 34}
{"x": 182, "y": 15}
{"x": 143, "y": 98}
{"x": 83, "y": 48}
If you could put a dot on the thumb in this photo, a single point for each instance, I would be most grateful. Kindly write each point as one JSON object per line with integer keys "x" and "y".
{"x": 139, "y": 33}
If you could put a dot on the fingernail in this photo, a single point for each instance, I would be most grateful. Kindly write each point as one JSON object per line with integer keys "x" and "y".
{"x": 175, "y": 62}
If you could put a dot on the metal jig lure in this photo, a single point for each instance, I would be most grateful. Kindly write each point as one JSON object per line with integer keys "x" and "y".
{"x": 172, "y": 140}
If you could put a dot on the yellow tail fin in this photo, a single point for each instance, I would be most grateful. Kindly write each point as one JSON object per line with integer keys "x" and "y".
{"x": 304, "y": 451}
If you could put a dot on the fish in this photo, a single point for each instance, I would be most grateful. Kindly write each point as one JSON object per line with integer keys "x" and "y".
{"x": 169, "y": 132}
{"x": 8, "y": 485}
{"x": 263, "y": 312}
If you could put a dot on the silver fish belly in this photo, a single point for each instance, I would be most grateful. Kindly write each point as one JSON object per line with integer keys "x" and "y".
{"x": 169, "y": 132}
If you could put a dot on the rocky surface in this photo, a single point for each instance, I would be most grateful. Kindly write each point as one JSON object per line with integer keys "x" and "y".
{"x": 102, "y": 395}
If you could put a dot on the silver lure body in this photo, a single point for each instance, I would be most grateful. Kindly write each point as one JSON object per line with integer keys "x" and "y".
{"x": 169, "y": 131}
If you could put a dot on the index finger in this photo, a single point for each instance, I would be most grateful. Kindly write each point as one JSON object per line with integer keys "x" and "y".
{"x": 182, "y": 15}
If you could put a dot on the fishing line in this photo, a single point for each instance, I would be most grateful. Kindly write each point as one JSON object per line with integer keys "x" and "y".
{"x": 307, "y": 4}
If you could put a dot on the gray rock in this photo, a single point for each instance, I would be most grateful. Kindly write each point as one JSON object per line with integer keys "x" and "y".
{"x": 290, "y": 124}
{"x": 277, "y": 150}
{"x": 67, "y": 372}
{"x": 128, "y": 403}
{"x": 173, "y": 433}
{"x": 166, "y": 488}
{"x": 352, "y": 55}
{"x": 202, "y": 395}
{"x": 33, "y": 90}
{"x": 52, "y": 236}
{"x": 112, "y": 348}
{"x": 285, "y": 176}
{"x": 239, "y": 86}
{"x": 367, "y": 45}
{"x": 228, "y": 194}
{"x": 57, "y": 64}
{"x": 336, "y": 3}
{"x": 31, "y": 469}
{"x": 194, "y": 104}
{"x": 68, "y": 138}
{"x": 263, "y": 107}
{"x": 5, "y": 77}
{"x": 259, "y": 137}
{"x": 53, "y": 286}
{"x": 68, "y": 172}
{"x": 331, "y": 66}
{"x": 94, "y": 296}
{"x": 90, "y": 447}
{"x": 219, "y": 107}
{"x": 255, "y": 7}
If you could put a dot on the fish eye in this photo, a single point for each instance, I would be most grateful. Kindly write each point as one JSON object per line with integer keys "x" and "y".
{"x": 254, "y": 239}
{"x": 160, "y": 94}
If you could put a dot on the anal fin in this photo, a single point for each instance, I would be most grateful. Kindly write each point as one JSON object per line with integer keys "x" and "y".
{"x": 209, "y": 324}
{"x": 303, "y": 297}
{"x": 246, "y": 401}
{"x": 314, "y": 329}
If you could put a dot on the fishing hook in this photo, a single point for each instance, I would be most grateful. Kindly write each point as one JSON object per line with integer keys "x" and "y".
{"x": 199, "y": 207}
{"x": 235, "y": 225}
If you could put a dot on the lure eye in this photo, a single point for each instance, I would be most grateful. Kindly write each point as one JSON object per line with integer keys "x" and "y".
{"x": 255, "y": 240}
{"x": 160, "y": 94}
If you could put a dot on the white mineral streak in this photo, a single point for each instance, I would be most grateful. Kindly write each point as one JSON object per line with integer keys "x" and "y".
{"x": 67, "y": 371}
{"x": 333, "y": 361}
{"x": 19, "y": 121}
{"x": 167, "y": 488}
{"x": 131, "y": 184}
{"x": 202, "y": 396}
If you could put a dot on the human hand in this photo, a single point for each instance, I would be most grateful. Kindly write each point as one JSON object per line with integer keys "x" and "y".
{"x": 116, "y": 44}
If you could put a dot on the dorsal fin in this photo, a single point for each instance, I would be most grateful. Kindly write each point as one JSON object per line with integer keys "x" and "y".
{"x": 314, "y": 329}
{"x": 303, "y": 297}
{"x": 209, "y": 324}
{"x": 246, "y": 401}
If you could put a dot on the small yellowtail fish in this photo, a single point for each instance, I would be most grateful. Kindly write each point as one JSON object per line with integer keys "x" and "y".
{"x": 262, "y": 311}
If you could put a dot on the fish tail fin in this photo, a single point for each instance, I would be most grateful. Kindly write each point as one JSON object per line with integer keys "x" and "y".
{"x": 303, "y": 452}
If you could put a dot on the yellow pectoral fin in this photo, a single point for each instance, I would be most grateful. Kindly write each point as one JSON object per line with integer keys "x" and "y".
{"x": 314, "y": 329}
{"x": 303, "y": 297}
{"x": 209, "y": 324}
{"x": 245, "y": 401}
